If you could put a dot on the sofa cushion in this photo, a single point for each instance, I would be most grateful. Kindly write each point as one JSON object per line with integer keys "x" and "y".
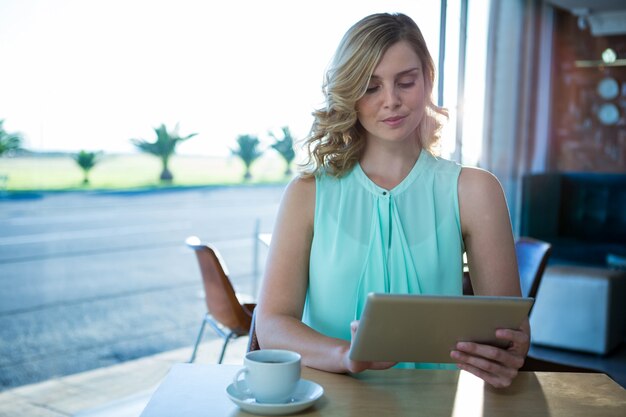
{"x": 593, "y": 208}
{"x": 583, "y": 215}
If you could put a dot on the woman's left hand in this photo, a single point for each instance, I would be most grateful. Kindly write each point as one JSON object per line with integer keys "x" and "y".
{"x": 496, "y": 366}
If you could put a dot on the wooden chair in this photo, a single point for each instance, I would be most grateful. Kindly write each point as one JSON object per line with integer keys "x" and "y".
{"x": 225, "y": 314}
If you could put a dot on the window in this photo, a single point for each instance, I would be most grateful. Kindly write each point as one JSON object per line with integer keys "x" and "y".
{"x": 91, "y": 75}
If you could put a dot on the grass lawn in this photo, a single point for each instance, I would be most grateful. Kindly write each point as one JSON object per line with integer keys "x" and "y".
{"x": 42, "y": 172}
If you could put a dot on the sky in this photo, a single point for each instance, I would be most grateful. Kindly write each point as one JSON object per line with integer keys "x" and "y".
{"x": 92, "y": 74}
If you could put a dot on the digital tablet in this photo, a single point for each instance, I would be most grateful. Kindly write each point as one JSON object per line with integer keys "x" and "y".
{"x": 425, "y": 328}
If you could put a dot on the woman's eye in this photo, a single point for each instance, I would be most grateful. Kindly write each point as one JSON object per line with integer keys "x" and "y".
{"x": 407, "y": 84}
{"x": 371, "y": 89}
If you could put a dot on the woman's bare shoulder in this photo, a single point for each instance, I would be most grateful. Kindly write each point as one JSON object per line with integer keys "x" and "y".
{"x": 301, "y": 188}
{"x": 303, "y": 183}
{"x": 299, "y": 198}
{"x": 477, "y": 183}
{"x": 481, "y": 200}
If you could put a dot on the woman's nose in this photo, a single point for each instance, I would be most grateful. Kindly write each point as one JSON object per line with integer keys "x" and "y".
{"x": 391, "y": 98}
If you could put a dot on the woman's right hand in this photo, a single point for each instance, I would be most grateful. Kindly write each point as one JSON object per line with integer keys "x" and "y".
{"x": 359, "y": 366}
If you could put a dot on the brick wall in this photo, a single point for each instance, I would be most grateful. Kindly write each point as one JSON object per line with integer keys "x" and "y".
{"x": 580, "y": 141}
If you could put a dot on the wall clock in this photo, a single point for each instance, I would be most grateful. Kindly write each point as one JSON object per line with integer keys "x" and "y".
{"x": 608, "y": 114}
{"x": 608, "y": 88}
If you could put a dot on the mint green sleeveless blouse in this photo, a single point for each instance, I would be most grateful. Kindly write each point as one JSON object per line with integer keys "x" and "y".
{"x": 368, "y": 239}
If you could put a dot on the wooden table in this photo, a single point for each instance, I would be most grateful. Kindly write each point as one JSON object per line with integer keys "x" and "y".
{"x": 199, "y": 390}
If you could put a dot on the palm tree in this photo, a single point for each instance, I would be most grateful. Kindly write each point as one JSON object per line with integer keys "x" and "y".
{"x": 9, "y": 141}
{"x": 248, "y": 151}
{"x": 164, "y": 147}
{"x": 284, "y": 147}
{"x": 86, "y": 161}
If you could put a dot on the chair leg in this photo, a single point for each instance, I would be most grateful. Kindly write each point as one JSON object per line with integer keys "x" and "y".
{"x": 226, "y": 340}
{"x": 198, "y": 339}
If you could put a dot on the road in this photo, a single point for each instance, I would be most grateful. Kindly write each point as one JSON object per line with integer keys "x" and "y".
{"x": 96, "y": 278}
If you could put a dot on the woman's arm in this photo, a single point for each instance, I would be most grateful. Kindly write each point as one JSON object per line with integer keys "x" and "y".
{"x": 490, "y": 247}
{"x": 283, "y": 293}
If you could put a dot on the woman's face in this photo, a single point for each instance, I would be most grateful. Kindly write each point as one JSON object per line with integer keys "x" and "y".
{"x": 393, "y": 105}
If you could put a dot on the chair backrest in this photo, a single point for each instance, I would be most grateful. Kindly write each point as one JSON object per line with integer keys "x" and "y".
{"x": 219, "y": 294}
{"x": 532, "y": 258}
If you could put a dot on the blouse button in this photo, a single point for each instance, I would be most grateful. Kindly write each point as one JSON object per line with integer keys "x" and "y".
{"x": 384, "y": 192}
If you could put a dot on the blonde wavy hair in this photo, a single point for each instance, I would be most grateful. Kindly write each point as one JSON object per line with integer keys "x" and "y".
{"x": 336, "y": 140}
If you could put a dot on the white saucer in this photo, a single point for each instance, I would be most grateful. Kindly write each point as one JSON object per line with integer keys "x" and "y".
{"x": 307, "y": 392}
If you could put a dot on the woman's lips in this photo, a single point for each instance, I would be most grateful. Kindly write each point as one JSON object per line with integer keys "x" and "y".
{"x": 394, "y": 120}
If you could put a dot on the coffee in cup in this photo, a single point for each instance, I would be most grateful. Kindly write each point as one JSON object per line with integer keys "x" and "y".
{"x": 270, "y": 375}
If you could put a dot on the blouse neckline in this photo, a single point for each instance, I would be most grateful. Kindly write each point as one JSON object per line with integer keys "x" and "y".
{"x": 372, "y": 187}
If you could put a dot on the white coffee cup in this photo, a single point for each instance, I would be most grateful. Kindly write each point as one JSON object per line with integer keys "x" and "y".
{"x": 270, "y": 376}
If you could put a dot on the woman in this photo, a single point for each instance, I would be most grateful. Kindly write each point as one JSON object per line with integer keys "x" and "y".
{"x": 377, "y": 211}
